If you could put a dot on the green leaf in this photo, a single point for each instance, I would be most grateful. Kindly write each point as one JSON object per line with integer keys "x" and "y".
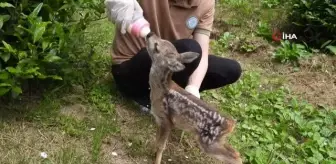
{"x": 332, "y": 154}
{"x": 41, "y": 76}
{"x": 24, "y": 29}
{"x": 5, "y": 56}
{"x": 59, "y": 30}
{"x": 22, "y": 55}
{"x": 51, "y": 58}
{"x": 39, "y": 31}
{"x": 45, "y": 45}
{"x": 318, "y": 156}
{"x": 6, "y": 4}
{"x": 299, "y": 46}
{"x": 55, "y": 77}
{"x": 332, "y": 49}
{"x": 33, "y": 70}
{"x": 36, "y": 10}
{"x": 60, "y": 33}
{"x": 215, "y": 95}
{"x": 13, "y": 70}
{"x": 3, "y": 19}
{"x": 17, "y": 90}
{"x": 8, "y": 47}
{"x": 279, "y": 107}
{"x": 326, "y": 43}
{"x": 5, "y": 85}
{"x": 64, "y": 7}
{"x": 4, "y": 75}
{"x": 3, "y": 91}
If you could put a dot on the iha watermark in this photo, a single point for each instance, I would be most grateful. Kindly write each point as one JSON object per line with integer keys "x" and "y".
{"x": 278, "y": 36}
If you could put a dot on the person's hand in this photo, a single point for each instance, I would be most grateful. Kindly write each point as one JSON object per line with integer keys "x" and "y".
{"x": 123, "y": 12}
{"x": 193, "y": 90}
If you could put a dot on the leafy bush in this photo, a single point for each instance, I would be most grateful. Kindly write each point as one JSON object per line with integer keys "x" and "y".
{"x": 264, "y": 30}
{"x": 36, "y": 36}
{"x": 290, "y": 52}
{"x": 315, "y": 21}
{"x": 270, "y": 3}
{"x": 225, "y": 39}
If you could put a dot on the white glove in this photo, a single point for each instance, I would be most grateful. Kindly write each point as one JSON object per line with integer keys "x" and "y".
{"x": 123, "y": 12}
{"x": 193, "y": 90}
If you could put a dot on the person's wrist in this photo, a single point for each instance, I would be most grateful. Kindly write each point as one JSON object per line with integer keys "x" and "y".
{"x": 193, "y": 90}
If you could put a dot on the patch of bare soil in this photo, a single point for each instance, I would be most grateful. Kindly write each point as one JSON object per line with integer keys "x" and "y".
{"x": 315, "y": 81}
{"x": 77, "y": 111}
{"x": 316, "y": 87}
{"x": 137, "y": 137}
{"x": 113, "y": 151}
{"x": 131, "y": 144}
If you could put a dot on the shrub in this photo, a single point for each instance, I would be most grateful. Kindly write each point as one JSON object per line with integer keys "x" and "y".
{"x": 264, "y": 30}
{"x": 35, "y": 36}
{"x": 271, "y": 3}
{"x": 290, "y": 52}
{"x": 315, "y": 21}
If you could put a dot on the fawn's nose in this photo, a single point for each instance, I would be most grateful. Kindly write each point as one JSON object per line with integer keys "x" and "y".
{"x": 149, "y": 35}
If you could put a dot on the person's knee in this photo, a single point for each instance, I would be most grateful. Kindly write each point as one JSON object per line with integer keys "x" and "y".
{"x": 187, "y": 45}
{"x": 235, "y": 71}
{"x": 229, "y": 70}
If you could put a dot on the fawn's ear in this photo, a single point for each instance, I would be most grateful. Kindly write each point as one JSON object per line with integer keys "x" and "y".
{"x": 188, "y": 57}
{"x": 175, "y": 66}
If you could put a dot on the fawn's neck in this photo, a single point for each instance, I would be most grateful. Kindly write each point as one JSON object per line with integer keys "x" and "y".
{"x": 159, "y": 81}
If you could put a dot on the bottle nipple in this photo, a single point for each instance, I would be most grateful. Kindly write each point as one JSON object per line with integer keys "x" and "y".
{"x": 145, "y": 31}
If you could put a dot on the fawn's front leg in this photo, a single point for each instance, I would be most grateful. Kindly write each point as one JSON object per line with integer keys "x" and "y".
{"x": 162, "y": 135}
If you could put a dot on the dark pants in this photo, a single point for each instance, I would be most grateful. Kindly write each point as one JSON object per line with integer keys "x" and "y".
{"x": 132, "y": 76}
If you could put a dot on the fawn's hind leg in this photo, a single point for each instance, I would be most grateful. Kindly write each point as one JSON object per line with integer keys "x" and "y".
{"x": 162, "y": 135}
{"x": 222, "y": 151}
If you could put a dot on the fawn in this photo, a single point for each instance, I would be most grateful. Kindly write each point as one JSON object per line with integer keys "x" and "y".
{"x": 172, "y": 106}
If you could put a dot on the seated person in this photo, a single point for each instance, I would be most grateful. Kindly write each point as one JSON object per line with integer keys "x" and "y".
{"x": 187, "y": 24}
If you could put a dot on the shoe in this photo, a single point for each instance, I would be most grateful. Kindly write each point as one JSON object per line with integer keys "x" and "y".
{"x": 144, "y": 104}
{"x": 144, "y": 109}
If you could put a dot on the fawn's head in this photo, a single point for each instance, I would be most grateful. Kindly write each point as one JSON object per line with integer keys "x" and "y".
{"x": 164, "y": 54}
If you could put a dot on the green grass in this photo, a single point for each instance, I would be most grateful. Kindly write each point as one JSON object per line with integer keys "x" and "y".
{"x": 274, "y": 125}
